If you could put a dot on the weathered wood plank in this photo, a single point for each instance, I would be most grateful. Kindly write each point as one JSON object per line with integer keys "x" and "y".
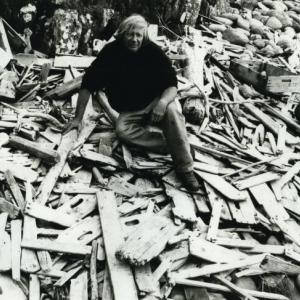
{"x": 235, "y": 289}
{"x": 18, "y": 171}
{"x": 67, "y": 276}
{"x": 256, "y": 180}
{"x": 121, "y": 276}
{"x": 265, "y": 197}
{"x": 48, "y": 214}
{"x": 38, "y": 150}
{"x": 107, "y": 292}
{"x": 12, "y": 210}
{"x": 82, "y": 232}
{"x": 214, "y": 220}
{"x": 99, "y": 158}
{"x": 29, "y": 260}
{"x": 218, "y": 268}
{"x": 213, "y": 196}
{"x": 79, "y": 206}
{"x": 14, "y": 188}
{"x": 184, "y": 206}
{"x": 79, "y": 287}
{"x": 50, "y": 179}
{"x": 222, "y": 186}
{"x": 222, "y": 288}
{"x": 213, "y": 253}
{"x": 93, "y": 271}
{"x": 148, "y": 240}
{"x": 69, "y": 248}
{"x": 16, "y": 236}
{"x": 10, "y": 289}
{"x": 145, "y": 280}
{"x": 34, "y": 287}
{"x": 68, "y": 88}
{"x": 5, "y": 245}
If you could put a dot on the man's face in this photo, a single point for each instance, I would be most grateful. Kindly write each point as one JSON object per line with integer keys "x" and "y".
{"x": 133, "y": 39}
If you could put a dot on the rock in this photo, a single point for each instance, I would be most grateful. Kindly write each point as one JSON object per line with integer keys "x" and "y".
{"x": 273, "y": 23}
{"x": 235, "y": 36}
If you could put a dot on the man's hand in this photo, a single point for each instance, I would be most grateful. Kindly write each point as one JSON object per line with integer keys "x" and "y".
{"x": 158, "y": 112}
{"x": 74, "y": 124}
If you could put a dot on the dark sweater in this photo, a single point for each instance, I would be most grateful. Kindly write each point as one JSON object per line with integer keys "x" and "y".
{"x": 131, "y": 80}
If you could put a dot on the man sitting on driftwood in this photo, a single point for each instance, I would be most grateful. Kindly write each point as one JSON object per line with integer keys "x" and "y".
{"x": 141, "y": 85}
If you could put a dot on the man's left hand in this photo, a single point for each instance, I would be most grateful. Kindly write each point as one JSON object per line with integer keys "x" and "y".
{"x": 158, "y": 112}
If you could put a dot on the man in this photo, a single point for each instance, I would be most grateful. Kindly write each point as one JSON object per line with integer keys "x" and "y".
{"x": 141, "y": 85}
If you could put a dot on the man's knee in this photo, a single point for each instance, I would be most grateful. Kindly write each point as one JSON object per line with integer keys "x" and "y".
{"x": 173, "y": 110}
{"x": 126, "y": 131}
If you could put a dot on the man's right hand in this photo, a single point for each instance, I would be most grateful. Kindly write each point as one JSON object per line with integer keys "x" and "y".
{"x": 74, "y": 124}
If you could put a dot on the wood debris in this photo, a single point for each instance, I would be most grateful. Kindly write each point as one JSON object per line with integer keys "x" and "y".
{"x": 84, "y": 217}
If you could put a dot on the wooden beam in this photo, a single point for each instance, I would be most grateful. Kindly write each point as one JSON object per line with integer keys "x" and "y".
{"x": 120, "y": 273}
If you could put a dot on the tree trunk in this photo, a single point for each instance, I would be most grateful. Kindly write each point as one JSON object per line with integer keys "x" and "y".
{"x": 167, "y": 11}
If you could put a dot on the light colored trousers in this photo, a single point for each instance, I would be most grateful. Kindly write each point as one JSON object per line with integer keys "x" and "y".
{"x": 170, "y": 137}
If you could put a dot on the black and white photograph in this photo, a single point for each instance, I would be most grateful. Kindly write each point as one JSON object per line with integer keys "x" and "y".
{"x": 149, "y": 149}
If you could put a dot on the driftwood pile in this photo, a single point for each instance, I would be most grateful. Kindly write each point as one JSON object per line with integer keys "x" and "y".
{"x": 85, "y": 217}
